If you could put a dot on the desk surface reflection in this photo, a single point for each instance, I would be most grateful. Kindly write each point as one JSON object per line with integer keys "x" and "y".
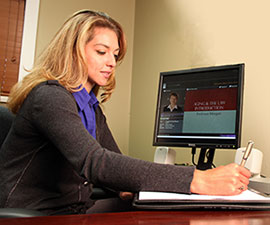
{"x": 152, "y": 217}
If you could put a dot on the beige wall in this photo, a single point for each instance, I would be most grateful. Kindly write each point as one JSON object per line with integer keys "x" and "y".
{"x": 179, "y": 34}
{"x": 53, "y": 13}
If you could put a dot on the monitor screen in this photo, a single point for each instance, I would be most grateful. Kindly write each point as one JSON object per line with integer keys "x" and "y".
{"x": 200, "y": 107}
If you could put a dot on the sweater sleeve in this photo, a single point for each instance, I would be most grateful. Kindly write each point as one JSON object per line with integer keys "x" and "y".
{"x": 54, "y": 113}
{"x": 103, "y": 133}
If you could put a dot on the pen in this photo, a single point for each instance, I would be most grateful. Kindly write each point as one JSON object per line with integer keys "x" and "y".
{"x": 247, "y": 153}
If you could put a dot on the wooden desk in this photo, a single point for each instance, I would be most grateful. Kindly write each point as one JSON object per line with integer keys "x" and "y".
{"x": 151, "y": 217}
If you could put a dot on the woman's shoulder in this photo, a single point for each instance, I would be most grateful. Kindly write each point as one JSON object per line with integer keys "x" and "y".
{"x": 53, "y": 85}
{"x": 50, "y": 88}
{"x": 50, "y": 99}
{"x": 49, "y": 92}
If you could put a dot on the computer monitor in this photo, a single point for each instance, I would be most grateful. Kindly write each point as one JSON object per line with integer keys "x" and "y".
{"x": 200, "y": 108}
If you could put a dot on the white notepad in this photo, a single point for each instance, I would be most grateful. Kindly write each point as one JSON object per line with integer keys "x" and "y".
{"x": 244, "y": 196}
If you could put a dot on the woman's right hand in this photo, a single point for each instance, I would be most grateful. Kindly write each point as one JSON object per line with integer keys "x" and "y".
{"x": 231, "y": 179}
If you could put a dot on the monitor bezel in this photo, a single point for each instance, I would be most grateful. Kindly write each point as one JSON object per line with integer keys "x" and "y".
{"x": 211, "y": 143}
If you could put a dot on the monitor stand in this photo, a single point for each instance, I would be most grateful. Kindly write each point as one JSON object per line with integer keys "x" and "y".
{"x": 206, "y": 158}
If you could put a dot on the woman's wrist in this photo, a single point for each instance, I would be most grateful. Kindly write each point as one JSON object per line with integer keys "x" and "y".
{"x": 197, "y": 181}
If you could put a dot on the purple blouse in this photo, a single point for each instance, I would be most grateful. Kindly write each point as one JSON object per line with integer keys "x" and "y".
{"x": 87, "y": 104}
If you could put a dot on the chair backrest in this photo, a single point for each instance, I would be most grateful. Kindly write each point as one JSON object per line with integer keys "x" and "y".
{"x": 6, "y": 119}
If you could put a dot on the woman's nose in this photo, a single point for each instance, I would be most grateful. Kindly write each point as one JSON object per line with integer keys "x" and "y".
{"x": 111, "y": 61}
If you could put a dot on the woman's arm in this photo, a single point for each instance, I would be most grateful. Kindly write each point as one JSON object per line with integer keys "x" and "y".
{"x": 54, "y": 113}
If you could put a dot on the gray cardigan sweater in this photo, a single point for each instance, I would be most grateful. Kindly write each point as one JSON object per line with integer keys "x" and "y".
{"x": 49, "y": 161}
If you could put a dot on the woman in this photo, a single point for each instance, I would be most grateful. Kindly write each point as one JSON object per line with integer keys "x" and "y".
{"x": 60, "y": 145}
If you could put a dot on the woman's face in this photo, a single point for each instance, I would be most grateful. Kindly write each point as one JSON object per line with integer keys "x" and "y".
{"x": 101, "y": 54}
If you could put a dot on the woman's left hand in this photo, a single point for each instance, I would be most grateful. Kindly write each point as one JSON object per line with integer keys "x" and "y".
{"x": 124, "y": 195}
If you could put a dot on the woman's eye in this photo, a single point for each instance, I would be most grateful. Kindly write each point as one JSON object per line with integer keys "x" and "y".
{"x": 101, "y": 52}
{"x": 116, "y": 57}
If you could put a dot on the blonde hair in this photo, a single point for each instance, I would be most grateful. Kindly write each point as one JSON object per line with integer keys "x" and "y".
{"x": 64, "y": 59}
